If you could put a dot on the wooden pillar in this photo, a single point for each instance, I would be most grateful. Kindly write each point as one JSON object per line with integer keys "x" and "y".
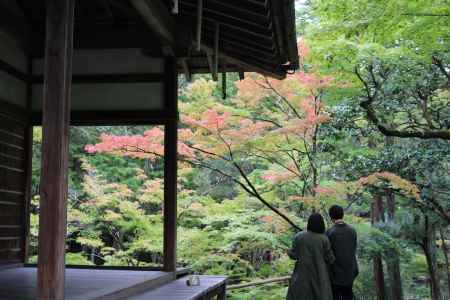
{"x": 170, "y": 166}
{"x": 55, "y": 151}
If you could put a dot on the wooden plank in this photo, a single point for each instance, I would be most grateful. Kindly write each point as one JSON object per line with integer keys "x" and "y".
{"x": 11, "y": 220}
{"x": 170, "y": 169}
{"x": 11, "y": 180}
{"x": 209, "y": 287}
{"x": 11, "y": 70}
{"x": 222, "y": 17}
{"x": 11, "y": 151}
{"x": 82, "y": 284}
{"x": 264, "y": 57}
{"x": 9, "y": 244}
{"x": 11, "y": 231}
{"x": 12, "y": 113}
{"x": 10, "y": 126}
{"x": 242, "y": 39}
{"x": 13, "y": 139}
{"x": 11, "y": 196}
{"x": 10, "y": 256}
{"x": 12, "y": 163}
{"x": 246, "y": 47}
{"x": 249, "y": 65}
{"x": 260, "y": 35}
{"x": 10, "y": 210}
{"x": 55, "y": 150}
{"x": 258, "y": 14}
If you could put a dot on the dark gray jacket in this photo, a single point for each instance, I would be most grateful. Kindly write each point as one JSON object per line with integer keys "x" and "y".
{"x": 343, "y": 242}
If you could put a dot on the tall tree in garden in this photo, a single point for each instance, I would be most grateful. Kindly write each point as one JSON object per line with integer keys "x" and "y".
{"x": 378, "y": 274}
{"x": 396, "y": 53}
{"x": 393, "y": 265}
{"x": 394, "y": 56}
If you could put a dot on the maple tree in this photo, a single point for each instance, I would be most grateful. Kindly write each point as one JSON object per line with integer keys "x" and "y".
{"x": 273, "y": 122}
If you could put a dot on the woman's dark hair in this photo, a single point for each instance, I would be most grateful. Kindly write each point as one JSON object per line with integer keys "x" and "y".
{"x": 336, "y": 212}
{"x": 316, "y": 223}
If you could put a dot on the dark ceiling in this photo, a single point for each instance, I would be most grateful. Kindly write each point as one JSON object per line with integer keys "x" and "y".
{"x": 258, "y": 32}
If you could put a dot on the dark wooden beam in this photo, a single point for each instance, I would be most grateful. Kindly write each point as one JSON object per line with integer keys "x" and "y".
{"x": 13, "y": 71}
{"x": 263, "y": 35}
{"x": 242, "y": 38}
{"x": 55, "y": 149}
{"x": 13, "y": 21}
{"x": 186, "y": 69}
{"x": 249, "y": 64}
{"x": 205, "y": 70}
{"x": 104, "y": 36}
{"x": 277, "y": 19}
{"x": 156, "y": 15}
{"x": 224, "y": 85}
{"x": 241, "y": 75}
{"x": 222, "y": 17}
{"x": 111, "y": 78}
{"x": 291, "y": 41}
{"x": 256, "y": 13}
{"x": 13, "y": 112}
{"x": 170, "y": 168}
{"x": 210, "y": 58}
{"x": 113, "y": 118}
{"x": 244, "y": 50}
{"x": 28, "y": 167}
{"x": 107, "y": 8}
{"x": 216, "y": 50}
{"x": 199, "y": 17}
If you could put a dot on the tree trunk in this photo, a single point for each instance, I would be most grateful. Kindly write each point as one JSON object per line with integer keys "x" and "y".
{"x": 429, "y": 249}
{"x": 445, "y": 252}
{"x": 393, "y": 267}
{"x": 378, "y": 275}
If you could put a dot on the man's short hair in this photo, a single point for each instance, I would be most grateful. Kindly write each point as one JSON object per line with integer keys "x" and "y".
{"x": 336, "y": 212}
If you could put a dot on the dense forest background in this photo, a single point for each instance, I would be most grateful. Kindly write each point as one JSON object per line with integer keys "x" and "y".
{"x": 364, "y": 123}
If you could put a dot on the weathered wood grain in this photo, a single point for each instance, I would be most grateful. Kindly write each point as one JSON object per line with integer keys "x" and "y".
{"x": 55, "y": 142}
{"x": 83, "y": 284}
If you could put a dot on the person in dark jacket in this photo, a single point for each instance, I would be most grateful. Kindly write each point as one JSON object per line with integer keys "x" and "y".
{"x": 343, "y": 241}
{"x": 312, "y": 252}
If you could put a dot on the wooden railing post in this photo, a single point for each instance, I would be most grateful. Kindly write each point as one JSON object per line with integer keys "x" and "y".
{"x": 170, "y": 166}
{"x": 55, "y": 150}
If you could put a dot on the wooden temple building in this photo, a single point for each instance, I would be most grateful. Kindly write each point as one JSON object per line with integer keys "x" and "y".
{"x": 110, "y": 62}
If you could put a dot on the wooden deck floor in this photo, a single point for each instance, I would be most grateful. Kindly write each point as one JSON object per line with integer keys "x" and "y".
{"x": 83, "y": 284}
{"x": 178, "y": 290}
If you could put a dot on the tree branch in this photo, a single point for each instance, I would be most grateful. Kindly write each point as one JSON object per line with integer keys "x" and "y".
{"x": 385, "y": 130}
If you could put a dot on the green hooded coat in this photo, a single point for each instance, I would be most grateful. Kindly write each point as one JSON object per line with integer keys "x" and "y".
{"x": 311, "y": 279}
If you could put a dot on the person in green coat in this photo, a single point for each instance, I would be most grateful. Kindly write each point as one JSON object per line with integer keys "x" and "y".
{"x": 312, "y": 252}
